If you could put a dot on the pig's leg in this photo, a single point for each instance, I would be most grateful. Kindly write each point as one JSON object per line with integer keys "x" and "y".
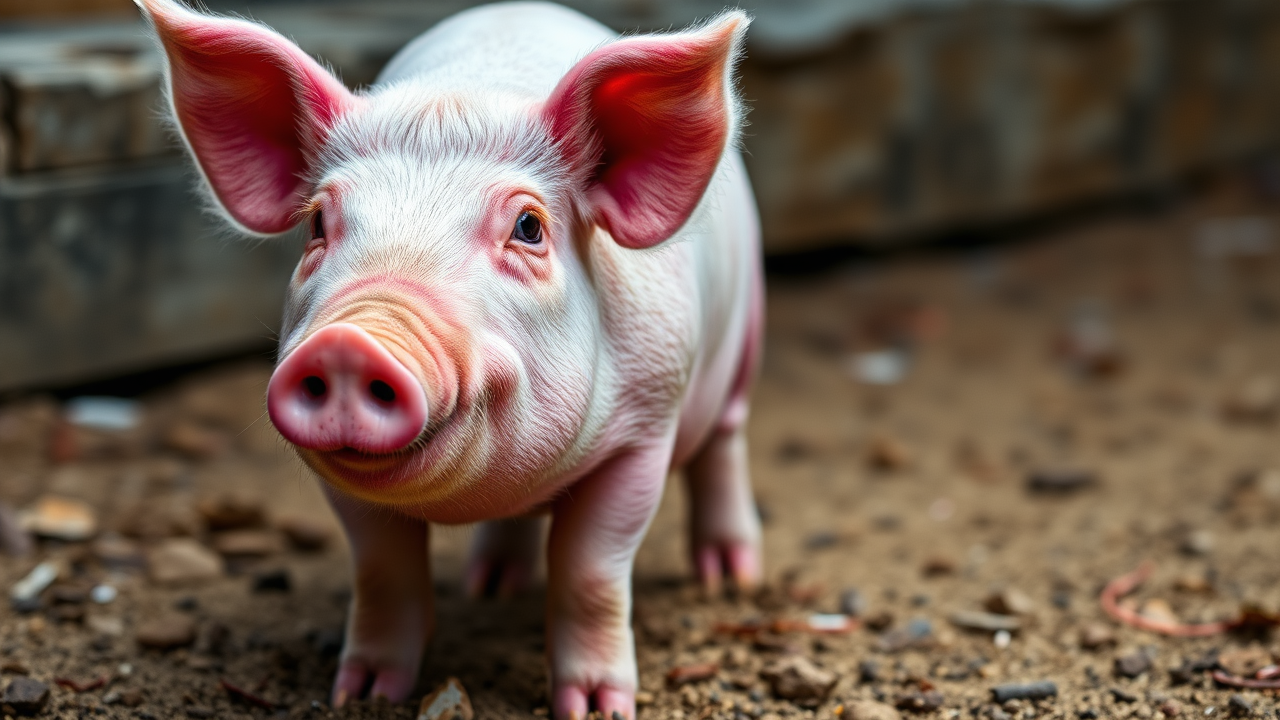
{"x": 504, "y": 556}
{"x": 392, "y": 609}
{"x": 597, "y": 526}
{"x": 724, "y": 531}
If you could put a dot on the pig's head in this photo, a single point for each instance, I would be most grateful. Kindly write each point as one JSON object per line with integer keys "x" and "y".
{"x": 442, "y": 338}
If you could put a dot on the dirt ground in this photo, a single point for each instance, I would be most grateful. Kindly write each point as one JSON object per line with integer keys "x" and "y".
{"x": 1133, "y": 353}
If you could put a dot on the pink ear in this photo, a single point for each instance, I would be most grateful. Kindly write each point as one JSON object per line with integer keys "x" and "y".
{"x": 251, "y": 106}
{"x": 653, "y": 116}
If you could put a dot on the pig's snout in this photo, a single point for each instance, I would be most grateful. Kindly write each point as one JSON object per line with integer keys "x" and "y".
{"x": 342, "y": 389}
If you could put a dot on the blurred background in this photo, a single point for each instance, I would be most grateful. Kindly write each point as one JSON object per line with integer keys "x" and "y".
{"x": 1022, "y": 335}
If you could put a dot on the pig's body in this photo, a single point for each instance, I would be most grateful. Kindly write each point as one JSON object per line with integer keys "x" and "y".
{"x": 533, "y": 287}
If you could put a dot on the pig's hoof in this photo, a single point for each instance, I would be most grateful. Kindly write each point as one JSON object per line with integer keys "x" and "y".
{"x": 573, "y": 702}
{"x": 356, "y": 676}
{"x": 738, "y": 562}
{"x": 504, "y": 557}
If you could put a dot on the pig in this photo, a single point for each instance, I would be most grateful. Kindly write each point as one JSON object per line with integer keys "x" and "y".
{"x": 532, "y": 287}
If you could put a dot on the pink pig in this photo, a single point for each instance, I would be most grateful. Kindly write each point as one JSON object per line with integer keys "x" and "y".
{"x": 533, "y": 287}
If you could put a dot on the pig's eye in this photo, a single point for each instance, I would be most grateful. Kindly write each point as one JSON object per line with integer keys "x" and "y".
{"x": 317, "y": 225}
{"x": 528, "y": 229}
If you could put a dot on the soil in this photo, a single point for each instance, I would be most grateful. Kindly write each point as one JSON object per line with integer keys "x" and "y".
{"x": 1071, "y": 405}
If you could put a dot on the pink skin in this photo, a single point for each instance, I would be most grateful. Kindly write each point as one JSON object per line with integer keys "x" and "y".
{"x": 342, "y": 389}
{"x": 568, "y": 374}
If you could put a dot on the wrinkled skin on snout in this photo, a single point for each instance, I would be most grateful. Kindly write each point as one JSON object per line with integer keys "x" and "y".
{"x": 532, "y": 289}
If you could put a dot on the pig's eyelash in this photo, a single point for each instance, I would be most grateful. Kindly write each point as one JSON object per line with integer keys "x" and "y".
{"x": 307, "y": 211}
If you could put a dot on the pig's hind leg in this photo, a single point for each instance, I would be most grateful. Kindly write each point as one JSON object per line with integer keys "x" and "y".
{"x": 392, "y": 612}
{"x": 504, "y": 556}
{"x": 724, "y": 526}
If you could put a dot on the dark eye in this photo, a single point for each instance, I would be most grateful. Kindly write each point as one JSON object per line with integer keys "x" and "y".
{"x": 528, "y": 229}
{"x": 317, "y": 225}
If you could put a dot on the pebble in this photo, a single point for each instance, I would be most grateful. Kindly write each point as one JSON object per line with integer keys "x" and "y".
{"x": 272, "y": 581}
{"x": 1010, "y": 601}
{"x": 868, "y": 671}
{"x": 1123, "y": 696}
{"x": 28, "y": 589}
{"x": 879, "y": 367}
{"x": 183, "y": 560}
{"x": 103, "y": 413}
{"x": 26, "y": 695}
{"x": 984, "y": 621}
{"x": 247, "y": 543}
{"x": 869, "y": 710}
{"x": 116, "y": 551}
{"x": 1002, "y": 639}
{"x": 1197, "y": 543}
{"x": 61, "y": 518}
{"x": 15, "y": 540}
{"x": 939, "y": 565}
{"x": 1159, "y": 610}
{"x": 231, "y": 512}
{"x": 853, "y": 602}
{"x": 199, "y": 712}
{"x": 1258, "y": 401}
{"x": 1061, "y": 481}
{"x": 105, "y": 625}
{"x": 1024, "y": 691}
{"x": 197, "y": 441}
{"x": 305, "y": 534}
{"x": 1239, "y": 706}
{"x": 103, "y": 594}
{"x": 449, "y": 701}
{"x": 795, "y": 677}
{"x": 1096, "y": 635}
{"x": 917, "y": 634}
{"x": 1133, "y": 664}
{"x": 167, "y": 632}
{"x": 1244, "y": 662}
{"x": 887, "y": 454}
{"x": 920, "y": 702}
{"x": 1171, "y": 708}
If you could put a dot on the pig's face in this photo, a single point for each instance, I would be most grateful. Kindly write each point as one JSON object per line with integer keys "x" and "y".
{"x": 442, "y": 343}
{"x": 452, "y": 243}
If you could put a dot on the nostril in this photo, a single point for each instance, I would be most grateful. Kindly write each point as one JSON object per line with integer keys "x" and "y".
{"x": 382, "y": 391}
{"x": 314, "y": 385}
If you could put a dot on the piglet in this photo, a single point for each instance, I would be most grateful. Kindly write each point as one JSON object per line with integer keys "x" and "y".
{"x": 532, "y": 288}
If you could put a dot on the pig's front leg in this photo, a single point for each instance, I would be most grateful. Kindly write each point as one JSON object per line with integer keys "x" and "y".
{"x": 504, "y": 556}
{"x": 392, "y": 611}
{"x": 596, "y": 528}
{"x": 724, "y": 527}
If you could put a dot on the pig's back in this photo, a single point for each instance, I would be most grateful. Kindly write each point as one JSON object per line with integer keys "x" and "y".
{"x": 524, "y": 47}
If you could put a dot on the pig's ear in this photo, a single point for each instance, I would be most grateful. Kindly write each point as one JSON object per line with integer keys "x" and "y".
{"x": 252, "y": 107}
{"x": 650, "y": 118}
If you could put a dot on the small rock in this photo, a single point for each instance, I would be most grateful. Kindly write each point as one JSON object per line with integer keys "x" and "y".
{"x": 183, "y": 560}
{"x": 199, "y": 712}
{"x": 1159, "y": 610}
{"x": 305, "y": 534}
{"x": 1096, "y": 635}
{"x": 821, "y": 540}
{"x": 887, "y": 454}
{"x": 272, "y": 581}
{"x": 14, "y": 667}
{"x": 61, "y": 518}
{"x": 1194, "y": 583}
{"x": 231, "y": 512}
{"x": 26, "y": 695}
{"x": 167, "y": 632}
{"x": 869, "y": 710}
{"x": 920, "y": 702}
{"x": 939, "y": 565}
{"x": 1171, "y": 708}
{"x": 247, "y": 543}
{"x": 853, "y": 602}
{"x": 155, "y": 519}
{"x": 644, "y": 698}
{"x": 68, "y": 594}
{"x": 1002, "y": 639}
{"x": 103, "y": 594}
{"x": 28, "y": 589}
{"x": 105, "y": 625}
{"x": 1258, "y": 401}
{"x": 117, "y": 552}
{"x": 985, "y": 621}
{"x": 1133, "y": 664}
{"x": 1244, "y": 662}
{"x": 197, "y": 441}
{"x": 1197, "y": 543}
{"x": 795, "y": 677}
{"x": 1064, "y": 481}
{"x": 15, "y": 540}
{"x": 1024, "y": 691}
{"x": 1239, "y": 706}
{"x": 1010, "y": 601}
{"x": 1123, "y": 696}
{"x": 447, "y": 702}
{"x": 868, "y": 671}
